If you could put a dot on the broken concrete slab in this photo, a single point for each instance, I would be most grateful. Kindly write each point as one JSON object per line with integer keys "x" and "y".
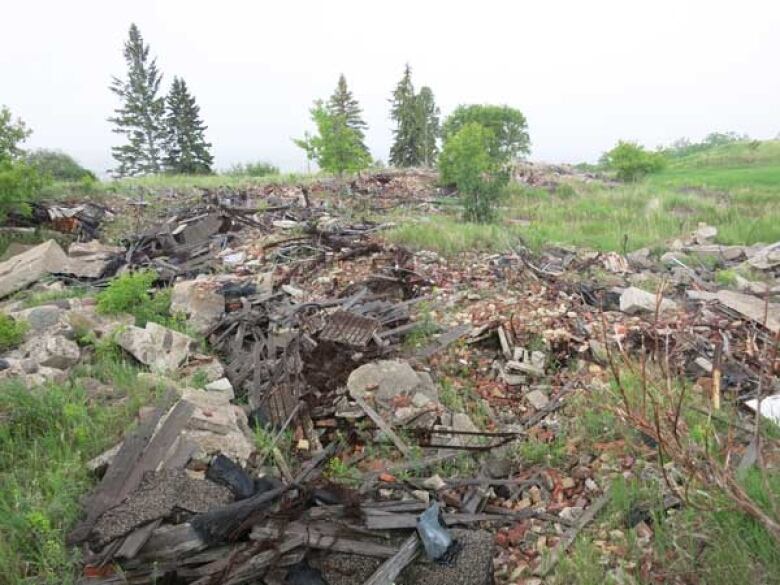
{"x": 766, "y": 258}
{"x": 200, "y": 300}
{"x": 386, "y": 379}
{"x": 22, "y": 270}
{"x": 52, "y": 351}
{"x": 158, "y": 347}
{"x": 748, "y": 306}
{"x": 634, "y": 300}
{"x": 537, "y": 399}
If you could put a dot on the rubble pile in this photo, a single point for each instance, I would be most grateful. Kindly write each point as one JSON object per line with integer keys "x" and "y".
{"x": 356, "y": 415}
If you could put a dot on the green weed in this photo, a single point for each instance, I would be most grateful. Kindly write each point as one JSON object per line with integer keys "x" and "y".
{"x": 11, "y": 332}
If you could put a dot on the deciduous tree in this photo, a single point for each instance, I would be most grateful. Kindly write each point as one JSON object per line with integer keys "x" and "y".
{"x": 508, "y": 125}
{"x": 335, "y": 147}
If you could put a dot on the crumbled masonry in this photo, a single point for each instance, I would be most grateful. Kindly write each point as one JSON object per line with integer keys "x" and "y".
{"x": 344, "y": 410}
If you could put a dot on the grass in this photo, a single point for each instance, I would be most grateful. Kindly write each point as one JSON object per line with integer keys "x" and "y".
{"x": 36, "y": 299}
{"x": 732, "y": 188}
{"x": 46, "y": 437}
{"x": 11, "y": 332}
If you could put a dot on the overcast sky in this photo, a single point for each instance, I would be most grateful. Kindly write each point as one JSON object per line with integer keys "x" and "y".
{"x": 585, "y": 73}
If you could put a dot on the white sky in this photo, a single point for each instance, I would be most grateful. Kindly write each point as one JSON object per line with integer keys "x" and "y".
{"x": 585, "y": 73}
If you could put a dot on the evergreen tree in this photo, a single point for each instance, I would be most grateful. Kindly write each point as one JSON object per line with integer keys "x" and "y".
{"x": 186, "y": 149}
{"x": 428, "y": 113}
{"x": 343, "y": 104}
{"x": 140, "y": 117}
{"x": 406, "y": 150}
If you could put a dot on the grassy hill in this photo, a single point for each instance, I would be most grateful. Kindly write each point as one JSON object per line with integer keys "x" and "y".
{"x": 735, "y": 187}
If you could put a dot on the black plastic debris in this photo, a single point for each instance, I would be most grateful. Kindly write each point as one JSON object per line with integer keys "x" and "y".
{"x": 227, "y": 472}
{"x": 436, "y": 539}
{"x": 304, "y": 574}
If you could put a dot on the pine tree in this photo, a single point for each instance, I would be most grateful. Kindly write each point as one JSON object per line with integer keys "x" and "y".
{"x": 405, "y": 151}
{"x": 186, "y": 149}
{"x": 342, "y": 104}
{"x": 428, "y": 113}
{"x": 140, "y": 117}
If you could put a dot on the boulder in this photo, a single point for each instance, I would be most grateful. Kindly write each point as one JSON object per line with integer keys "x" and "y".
{"x": 387, "y": 379}
{"x": 201, "y": 301}
{"x": 52, "y": 351}
{"x": 635, "y": 300}
{"x": 158, "y": 347}
{"x": 22, "y": 270}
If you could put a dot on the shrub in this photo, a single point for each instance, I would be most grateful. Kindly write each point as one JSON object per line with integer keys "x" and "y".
{"x": 19, "y": 183}
{"x": 253, "y": 169}
{"x": 466, "y": 161}
{"x": 129, "y": 293}
{"x": 11, "y": 332}
{"x": 631, "y": 161}
{"x": 58, "y": 165}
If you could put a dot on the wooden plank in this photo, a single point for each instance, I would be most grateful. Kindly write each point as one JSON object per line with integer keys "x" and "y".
{"x": 406, "y": 521}
{"x": 444, "y": 340}
{"x": 388, "y": 572}
{"x": 317, "y": 538}
{"x": 108, "y": 492}
{"x": 383, "y": 426}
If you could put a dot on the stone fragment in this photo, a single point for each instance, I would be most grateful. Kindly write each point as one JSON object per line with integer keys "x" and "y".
{"x": 201, "y": 301}
{"x": 222, "y": 386}
{"x": 158, "y": 347}
{"x": 53, "y": 351}
{"x": 765, "y": 259}
{"x": 22, "y": 270}
{"x": 434, "y": 482}
{"x": 705, "y": 233}
{"x": 386, "y": 378}
{"x": 635, "y": 300}
{"x": 537, "y": 399}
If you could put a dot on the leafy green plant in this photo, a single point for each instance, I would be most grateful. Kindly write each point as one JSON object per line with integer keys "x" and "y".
{"x": 11, "y": 332}
{"x": 335, "y": 147}
{"x": 466, "y": 161}
{"x": 19, "y": 183}
{"x": 631, "y": 161}
{"x": 129, "y": 293}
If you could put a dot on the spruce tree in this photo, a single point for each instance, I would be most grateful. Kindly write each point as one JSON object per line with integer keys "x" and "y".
{"x": 186, "y": 149}
{"x": 140, "y": 117}
{"x": 342, "y": 104}
{"x": 428, "y": 113}
{"x": 405, "y": 151}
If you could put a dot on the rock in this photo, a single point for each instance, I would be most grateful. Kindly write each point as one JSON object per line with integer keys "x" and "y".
{"x": 704, "y": 234}
{"x": 635, "y": 300}
{"x": 83, "y": 319}
{"x": 294, "y": 292}
{"x": 525, "y": 368}
{"x": 421, "y": 495}
{"x": 52, "y": 351}
{"x": 538, "y": 359}
{"x": 45, "y": 317}
{"x": 201, "y": 301}
{"x": 77, "y": 249}
{"x": 158, "y": 347}
{"x": 387, "y": 379}
{"x": 435, "y": 483}
{"x": 765, "y": 259}
{"x": 639, "y": 258}
{"x": 571, "y": 513}
{"x": 591, "y": 485}
{"x": 222, "y": 386}
{"x": 22, "y": 270}
{"x": 537, "y": 399}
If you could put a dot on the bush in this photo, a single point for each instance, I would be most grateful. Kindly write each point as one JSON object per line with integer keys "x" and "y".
{"x": 58, "y": 165}
{"x": 19, "y": 183}
{"x": 11, "y": 332}
{"x": 253, "y": 169}
{"x": 466, "y": 161}
{"x": 129, "y": 293}
{"x": 631, "y": 161}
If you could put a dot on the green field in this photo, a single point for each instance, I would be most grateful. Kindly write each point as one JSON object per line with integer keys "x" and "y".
{"x": 735, "y": 187}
